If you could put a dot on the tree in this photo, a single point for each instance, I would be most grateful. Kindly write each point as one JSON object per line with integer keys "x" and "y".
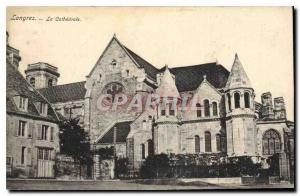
{"x": 74, "y": 142}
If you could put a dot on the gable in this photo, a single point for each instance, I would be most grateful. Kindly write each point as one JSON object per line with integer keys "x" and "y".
{"x": 114, "y": 59}
{"x": 207, "y": 91}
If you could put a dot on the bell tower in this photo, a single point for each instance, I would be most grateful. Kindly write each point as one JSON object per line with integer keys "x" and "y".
{"x": 41, "y": 75}
{"x": 240, "y": 122}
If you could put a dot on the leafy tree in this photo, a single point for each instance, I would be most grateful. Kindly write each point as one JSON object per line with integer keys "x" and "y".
{"x": 74, "y": 142}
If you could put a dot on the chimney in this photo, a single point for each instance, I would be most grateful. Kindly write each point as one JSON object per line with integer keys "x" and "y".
{"x": 267, "y": 105}
{"x": 279, "y": 108}
{"x": 12, "y": 54}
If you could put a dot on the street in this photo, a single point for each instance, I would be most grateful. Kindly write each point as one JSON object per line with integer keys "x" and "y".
{"x": 35, "y": 184}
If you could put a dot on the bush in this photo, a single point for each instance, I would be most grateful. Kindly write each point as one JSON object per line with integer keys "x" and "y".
{"x": 196, "y": 166}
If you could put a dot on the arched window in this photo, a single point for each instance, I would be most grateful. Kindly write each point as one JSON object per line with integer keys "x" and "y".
{"x": 237, "y": 100}
{"x": 247, "y": 100}
{"x": 150, "y": 147}
{"x": 171, "y": 109}
{"x": 218, "y": 142}
{"x": 198, "y": 109}
{"x": 229, "y": 101}
{"x": 206, "y": 108}
{"x": 143, "y": 150}
{"x": 197, "y": 144}
{"x": 271, "y": 142}
{"x": 215, "y": 108}
{"x": 207, "y": 141}
{"x": 50, "y": 82}
{"x": 32, "y": 82}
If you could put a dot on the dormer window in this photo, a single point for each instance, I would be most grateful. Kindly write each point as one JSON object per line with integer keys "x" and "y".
{"x": 43, "y": 109}
{"x": 21, "y": 102}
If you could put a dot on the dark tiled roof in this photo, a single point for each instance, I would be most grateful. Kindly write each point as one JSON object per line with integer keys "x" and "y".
{"x": 65, "y": 92}
{"x": 149, "y": 68}
{"x": 16, "y": 84}
{"x": 188, "y": 78}
{"x": 123, "y": 129}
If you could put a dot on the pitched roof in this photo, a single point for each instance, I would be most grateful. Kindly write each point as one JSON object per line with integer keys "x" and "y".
{"x": 66, "y": 92}
{"x": 188, "y": 78}
{"x": 167, "y": 87}
{"x": 16, "y": 85}
{"x": 123, "y": 129}
{"x": 149, "y": 68}
{"x": 238, "y": 77}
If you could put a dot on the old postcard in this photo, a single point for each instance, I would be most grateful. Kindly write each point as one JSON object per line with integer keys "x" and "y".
{"x": 149, "y": 98}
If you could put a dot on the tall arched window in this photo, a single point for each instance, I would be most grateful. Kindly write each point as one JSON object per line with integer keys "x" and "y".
{"x": 271, "y": 142}
{"x": 218, "y": 142}
{"x": 198, "y": 109}
{"x": 229, "y": 101}
{"x": 32, "y": 82}
{"x": 237, "y": 100}
{"x": 197, "y": 144}
{"x": 143, "y": 150}
{"x": 206, "y": 108}
{"x": 150, "y": 147}
{"x": 207, "y": 141}
{"x": 215, "y": 108}
{"x": 247, "y": 100}
{"x": 171, "y": 109}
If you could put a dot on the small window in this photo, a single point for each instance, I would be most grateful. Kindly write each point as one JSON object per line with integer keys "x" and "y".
{"x": 43, "y": 108}
{"x": 143, "y": 151}
{"x": 23, "y": 155}
{"x": 127, "y": 72}
{"x": 23, "y": 103}
{"x": 114, "y": 63}
{"x": 171, "y": 109}
{"x": 197, "y": 144}
{"x": 237, "y": 100}
{"x": 206, "y": 108}
{"x": 22, "y": 128}
{"x": 215, "y": 108}
{"x": 50, "y": 82}
{"x": 44, "y": 132}
{"x": 207, "y": 141}
{"x": 51, "y": 133}
{"x": 32, "y": 82}
{"x": 150, "y": 147}
{"x": 198, "y": 106}
{"x": 229, "y": 101}
{"x": 247, "y": 100}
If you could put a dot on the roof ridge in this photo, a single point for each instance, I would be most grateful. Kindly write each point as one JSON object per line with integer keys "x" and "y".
{"x": 139, "y": 56}
{"x": 62, "y": 85}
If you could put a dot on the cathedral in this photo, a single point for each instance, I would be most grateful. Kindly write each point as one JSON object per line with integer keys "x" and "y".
{"x": 223, "y": 115}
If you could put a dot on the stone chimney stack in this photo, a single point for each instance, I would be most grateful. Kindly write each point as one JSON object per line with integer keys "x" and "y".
{"x": 267, "y": 105}
{"x": 12, "y": 54}
{"x": 279, "y": 108}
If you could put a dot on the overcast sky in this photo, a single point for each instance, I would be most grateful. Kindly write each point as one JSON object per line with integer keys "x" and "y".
{"x": 262, "y": 37}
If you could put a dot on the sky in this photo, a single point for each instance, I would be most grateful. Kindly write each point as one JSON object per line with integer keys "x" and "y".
{"x": 176, "y": 36}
